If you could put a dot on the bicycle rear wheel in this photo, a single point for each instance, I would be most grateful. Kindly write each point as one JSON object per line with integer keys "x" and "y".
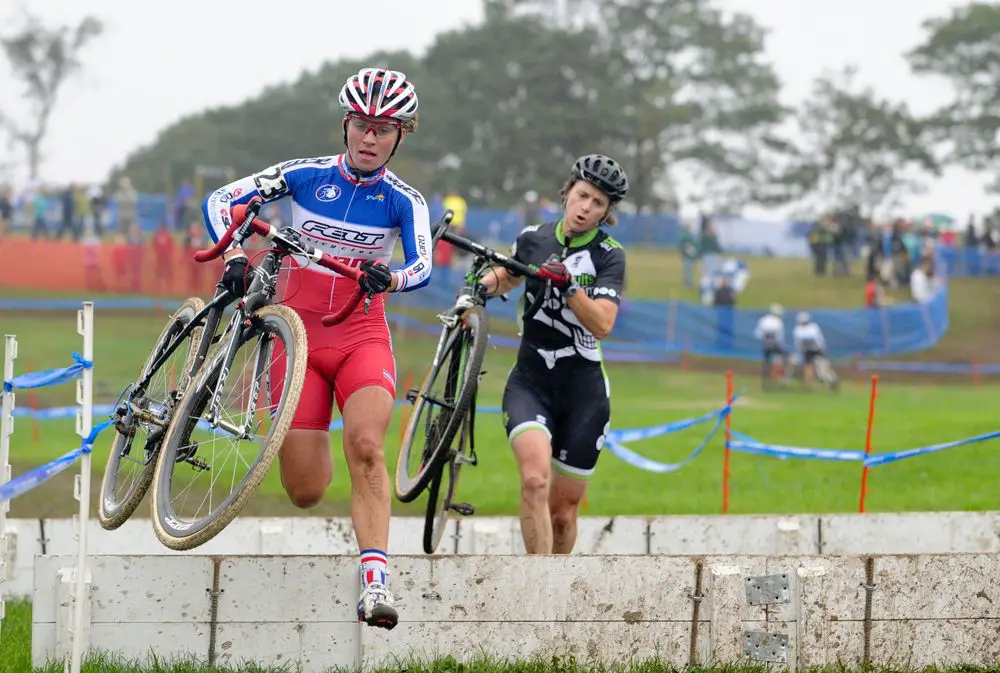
{"x": 437, "y": 414}
{"x": 142, "y": 419}
{"x": 255, "y": 409}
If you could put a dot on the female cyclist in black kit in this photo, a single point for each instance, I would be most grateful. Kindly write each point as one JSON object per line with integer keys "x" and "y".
{"x": 557, "y": 403}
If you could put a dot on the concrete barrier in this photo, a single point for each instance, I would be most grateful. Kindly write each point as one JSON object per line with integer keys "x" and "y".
{"x": 799, "y": 611}
{"x": 828, "y": 534}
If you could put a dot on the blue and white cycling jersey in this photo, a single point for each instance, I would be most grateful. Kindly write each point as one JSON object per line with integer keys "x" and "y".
{"x": 353, "y": 220}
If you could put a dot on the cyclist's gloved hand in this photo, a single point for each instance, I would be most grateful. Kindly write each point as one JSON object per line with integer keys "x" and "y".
{"x": 375, "y": 277}
{"x": 237, "y": 276}
{"x": 557, "y": 273}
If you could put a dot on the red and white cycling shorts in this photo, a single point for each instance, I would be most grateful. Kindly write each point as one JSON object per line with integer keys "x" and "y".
{"x": 343, "y": 358}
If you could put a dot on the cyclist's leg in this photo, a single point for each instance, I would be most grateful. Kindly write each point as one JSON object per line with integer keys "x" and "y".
{"x": 527, "y": 418}
{"x": 808, "y": 368}
{"x": 766, "y": 365}
{"x": 581, "y": 429}
{"x": 365, "y": 389}
{"x": 304, "y": 459}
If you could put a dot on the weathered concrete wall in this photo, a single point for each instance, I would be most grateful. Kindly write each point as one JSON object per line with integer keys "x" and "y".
{"x": 924, "y": 609}
{"x": 925, "y": 533}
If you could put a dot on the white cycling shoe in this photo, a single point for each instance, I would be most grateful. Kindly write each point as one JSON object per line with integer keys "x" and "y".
{"x": 375, "y": 607}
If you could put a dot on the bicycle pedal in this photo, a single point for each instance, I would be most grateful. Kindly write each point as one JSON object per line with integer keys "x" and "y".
{"x": 463, "y": 508}
{"x": 198, "y": 464}
{"x": 411, "y": 395}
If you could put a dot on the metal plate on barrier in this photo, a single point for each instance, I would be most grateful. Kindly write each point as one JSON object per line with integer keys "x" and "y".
{"x": 766, "y": 589}
{"x": 761, "y": 646}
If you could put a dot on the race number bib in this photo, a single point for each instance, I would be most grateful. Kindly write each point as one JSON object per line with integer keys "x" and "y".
{"x": 271, "y": 183}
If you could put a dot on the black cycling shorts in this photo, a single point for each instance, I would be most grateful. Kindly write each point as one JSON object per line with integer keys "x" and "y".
{"x": 773, "y": 351}
{"x": 571, "y": 405}
{"x": 810, "y": 355}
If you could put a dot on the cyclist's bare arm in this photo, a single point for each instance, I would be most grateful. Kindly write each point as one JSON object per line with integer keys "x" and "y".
{"x": 499, "y": 280}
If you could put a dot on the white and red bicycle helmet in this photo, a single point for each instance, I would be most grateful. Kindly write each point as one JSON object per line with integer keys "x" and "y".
{"x": 381, "y": 94}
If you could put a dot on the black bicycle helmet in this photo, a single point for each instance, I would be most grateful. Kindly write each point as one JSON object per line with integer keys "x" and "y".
{"x": 604, "y": 172}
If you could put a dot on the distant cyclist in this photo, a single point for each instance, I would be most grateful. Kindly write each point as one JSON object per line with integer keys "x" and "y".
{"x": 353, "y": 208}
{"x": 770, "y": 331}
{"x": 810, "y": 351}
{"x": 557, "y": 403}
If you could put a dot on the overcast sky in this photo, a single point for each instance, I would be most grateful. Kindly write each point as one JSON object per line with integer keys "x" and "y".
{"x": 158, "y": 62}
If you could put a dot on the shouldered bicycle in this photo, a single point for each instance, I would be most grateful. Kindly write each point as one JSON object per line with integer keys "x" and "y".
{"x": 439, "y": 437}
{"x": 189, "y": 417}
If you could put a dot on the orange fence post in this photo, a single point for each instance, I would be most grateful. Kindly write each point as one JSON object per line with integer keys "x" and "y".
{"x": 868, "y": 443}
{"x": 725, "y": 455}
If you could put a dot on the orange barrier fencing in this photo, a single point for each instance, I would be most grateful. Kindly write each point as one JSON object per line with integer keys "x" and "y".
{"x": 150, "y": 269}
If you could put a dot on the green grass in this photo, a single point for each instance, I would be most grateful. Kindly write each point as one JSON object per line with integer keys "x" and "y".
{"x": 908, "y": 415}
{"x": 15, "y": 657}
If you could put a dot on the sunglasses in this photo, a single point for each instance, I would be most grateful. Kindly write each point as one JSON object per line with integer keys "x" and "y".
{"x": 381, "y": 129}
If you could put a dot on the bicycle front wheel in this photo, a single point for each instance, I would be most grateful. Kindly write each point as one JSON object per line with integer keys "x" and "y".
{"x": 235, "y": 416}
{"x": 441, "y": 492}
{"x": 437, "y": 413}
{"x": 142, "y": 418}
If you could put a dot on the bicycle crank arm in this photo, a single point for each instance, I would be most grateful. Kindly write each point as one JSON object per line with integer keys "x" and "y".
{"x": 463, "y": 459}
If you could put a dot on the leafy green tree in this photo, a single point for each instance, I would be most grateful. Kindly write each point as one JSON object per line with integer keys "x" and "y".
{"x": 857, "y": 149}
{"x": 964, "y": 49}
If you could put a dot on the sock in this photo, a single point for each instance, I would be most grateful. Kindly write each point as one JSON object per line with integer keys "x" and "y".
{"x": 373, "y": 566}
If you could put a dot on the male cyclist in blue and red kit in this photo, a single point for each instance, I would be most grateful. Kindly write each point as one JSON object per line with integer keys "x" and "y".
{"x": 352, "y": 207}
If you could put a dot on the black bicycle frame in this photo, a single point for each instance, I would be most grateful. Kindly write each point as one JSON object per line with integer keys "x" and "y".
{"x": 261, "y": 290}
{"x": 211, "y": 315}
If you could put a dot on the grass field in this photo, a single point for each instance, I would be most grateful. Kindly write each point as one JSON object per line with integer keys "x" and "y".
{"x": 15, "y": 657}
{"x": 908, "y": 415}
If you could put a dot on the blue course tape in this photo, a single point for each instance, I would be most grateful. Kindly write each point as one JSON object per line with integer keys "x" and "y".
{"x": 926, "y": 367}
{"x": 29, "y": 480}
{"x": 57, "y": 304}
{"x": 746, "y": 444}
{"x": 643, "y": 463}
{"x": 636, "y": 434}
{"x": 616, "y": 437}
{"x": 886, "y": 458}
{"x": 49, "y": 377}
{"x": 55, "y": 413}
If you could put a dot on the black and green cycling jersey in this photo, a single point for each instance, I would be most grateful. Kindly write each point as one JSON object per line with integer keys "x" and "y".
{"x": 597, "y": 264}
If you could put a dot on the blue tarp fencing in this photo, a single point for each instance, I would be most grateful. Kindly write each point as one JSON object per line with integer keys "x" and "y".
{"x": 672, "y": 327}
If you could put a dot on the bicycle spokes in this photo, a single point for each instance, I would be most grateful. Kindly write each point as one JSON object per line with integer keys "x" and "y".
{"x": 227, "y": 428}
{"x": 141, "y": 419}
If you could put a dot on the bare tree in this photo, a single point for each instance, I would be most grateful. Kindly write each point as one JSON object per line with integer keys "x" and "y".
{"x": 42, "y": 59}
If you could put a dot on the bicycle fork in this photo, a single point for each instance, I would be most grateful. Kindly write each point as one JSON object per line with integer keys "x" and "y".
{"x": 215, "y": 419}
